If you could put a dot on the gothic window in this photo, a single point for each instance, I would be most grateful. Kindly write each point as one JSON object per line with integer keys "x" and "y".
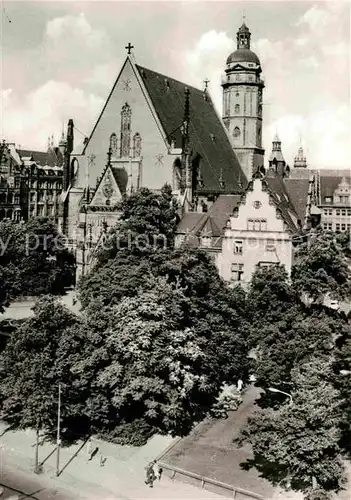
{"x": 236, "y": 132}
{"x": 237, "y": 108}
{"x": 137, "y": 145}
{"x": 114, "y": 144}
{"x": 126, "y": 119}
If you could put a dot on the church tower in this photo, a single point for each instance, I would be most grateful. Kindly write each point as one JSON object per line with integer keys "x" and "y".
{"x": 242, "y": 103}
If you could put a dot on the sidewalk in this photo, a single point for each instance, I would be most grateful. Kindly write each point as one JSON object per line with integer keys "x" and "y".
{"x": 121, "y": 477}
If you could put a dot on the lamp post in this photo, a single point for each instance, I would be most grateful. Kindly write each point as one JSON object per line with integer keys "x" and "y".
{"x": 58, "y": 442}
{"x": 273, "y": 389}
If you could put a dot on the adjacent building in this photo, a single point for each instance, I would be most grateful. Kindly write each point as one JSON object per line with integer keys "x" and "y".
{"x": 30, "y": 182}
{"x": 334, "y": 199}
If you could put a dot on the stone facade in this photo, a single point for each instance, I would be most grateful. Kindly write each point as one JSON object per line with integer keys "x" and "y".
{"x": 256, "y": 235}
{"x": 30, "y": 183}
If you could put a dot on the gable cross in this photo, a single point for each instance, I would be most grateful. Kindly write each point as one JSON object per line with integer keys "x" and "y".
{"x": 206, "y": 82}
{"x": 129, "y": 47}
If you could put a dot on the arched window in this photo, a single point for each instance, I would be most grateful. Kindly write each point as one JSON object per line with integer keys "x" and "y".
{"x": 137, "y": 145}
{"x": 114, "y": 144}
{"x": 177, "y": 169}
{"x": 237, "y": 108}
{"x": 236, "y": 132}
{"x": 126, "y": 119}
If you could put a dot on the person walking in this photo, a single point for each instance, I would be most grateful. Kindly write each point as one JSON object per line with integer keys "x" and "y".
{"x": 150, "y": 474}
{"x": 90, "y": 448}
{"x": 157, "y": 471}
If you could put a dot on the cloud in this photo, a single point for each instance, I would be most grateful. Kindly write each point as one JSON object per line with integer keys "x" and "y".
{"x": 207, "y": 60}
{"x": 70, "y": 29}
{"x": 45, "y": 110}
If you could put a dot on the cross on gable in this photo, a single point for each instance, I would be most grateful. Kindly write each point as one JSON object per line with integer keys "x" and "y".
{"x": 129, "y": 47}
{"x": 206, "y": 82}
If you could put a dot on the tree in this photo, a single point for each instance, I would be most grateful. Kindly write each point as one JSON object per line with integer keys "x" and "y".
{"x": 297, "y": 445}
{"x": 148, "y": 221}
{"x": 148, "y": 373}
{"x": 320, "y": 268}
{"x": 33, "y": 258}
{"x": 33, "y": 362}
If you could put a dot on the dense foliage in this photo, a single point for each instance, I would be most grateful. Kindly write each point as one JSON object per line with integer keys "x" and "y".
{"x": 297, "y": 445}
{"x": 33, "y": 260}
{"x": 33, "y": 362}
{"x": 320, "y": 268}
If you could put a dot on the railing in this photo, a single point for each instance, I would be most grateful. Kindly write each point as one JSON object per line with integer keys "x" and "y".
{"x": 206, "y": 480}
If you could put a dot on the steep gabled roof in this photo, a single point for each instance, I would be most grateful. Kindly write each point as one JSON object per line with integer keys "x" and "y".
{"x": 52, "y": 158}
{"x": 297, "y": 190}
{"x": 210, "y": 223}
{"x": 208, "y": 138}
{"x": 282, "y": 200}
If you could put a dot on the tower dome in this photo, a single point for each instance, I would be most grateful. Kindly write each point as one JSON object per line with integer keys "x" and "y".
{"x": 243, "y": 54}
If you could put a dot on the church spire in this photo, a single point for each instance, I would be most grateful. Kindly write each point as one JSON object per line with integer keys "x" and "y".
{"x": 243, "y": 37}
{"x": 300, "y": 160}
{"x": 276, "y": 159}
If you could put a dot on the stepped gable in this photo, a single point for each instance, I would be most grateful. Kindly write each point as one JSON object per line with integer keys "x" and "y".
{"x": 208, "y": 139}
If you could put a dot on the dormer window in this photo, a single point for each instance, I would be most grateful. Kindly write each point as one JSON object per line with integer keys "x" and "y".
{"x": 328, "y": 199}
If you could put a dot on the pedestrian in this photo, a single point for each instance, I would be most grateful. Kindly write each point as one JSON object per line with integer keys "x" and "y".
{"x": 90, "y": 448}
{"x": 157, "y": 471}
{"x": 102, "y": 460}
{"x": 150, "y": 474}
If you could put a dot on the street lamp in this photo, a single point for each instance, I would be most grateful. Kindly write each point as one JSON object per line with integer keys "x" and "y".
{"x": 58, "y": 441}
{"x": 273, "y": 389}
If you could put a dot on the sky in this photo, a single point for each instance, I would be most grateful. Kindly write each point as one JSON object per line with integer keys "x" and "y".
{"x": 59, "y": 60}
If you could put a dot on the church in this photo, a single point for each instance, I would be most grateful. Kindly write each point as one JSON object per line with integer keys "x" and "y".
{"x": 155, "y": 130}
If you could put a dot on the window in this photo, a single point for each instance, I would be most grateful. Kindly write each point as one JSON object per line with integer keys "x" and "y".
{"x": 349, "y": 211}
{"x": 326, "y": 211}
{"x": 337, "y": 211}
{"x": 137, "y": 145}
{"x": 266, "y": 264}
{"x": 325, "y": 225}
{"x": 237, "y": 272}
{"x": 114, "y": 144}
{"x": 330, "y": 211}
{"x": 17, "y": 200}
{"x": 126, "y": 118}
{"x": 343, "y": 212}
{"x": 337, "y": 227}
{"x": 238, "y": 247}
{"x": 236, "y": 132}
{"x": 343, "y": 227}
{"x": 270, "y": 247}
{"x": 206, "y": 241}
{"x": 237, "y": 108}
{"x": 257, "y": 224}
{"x": 328, "y": 199}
